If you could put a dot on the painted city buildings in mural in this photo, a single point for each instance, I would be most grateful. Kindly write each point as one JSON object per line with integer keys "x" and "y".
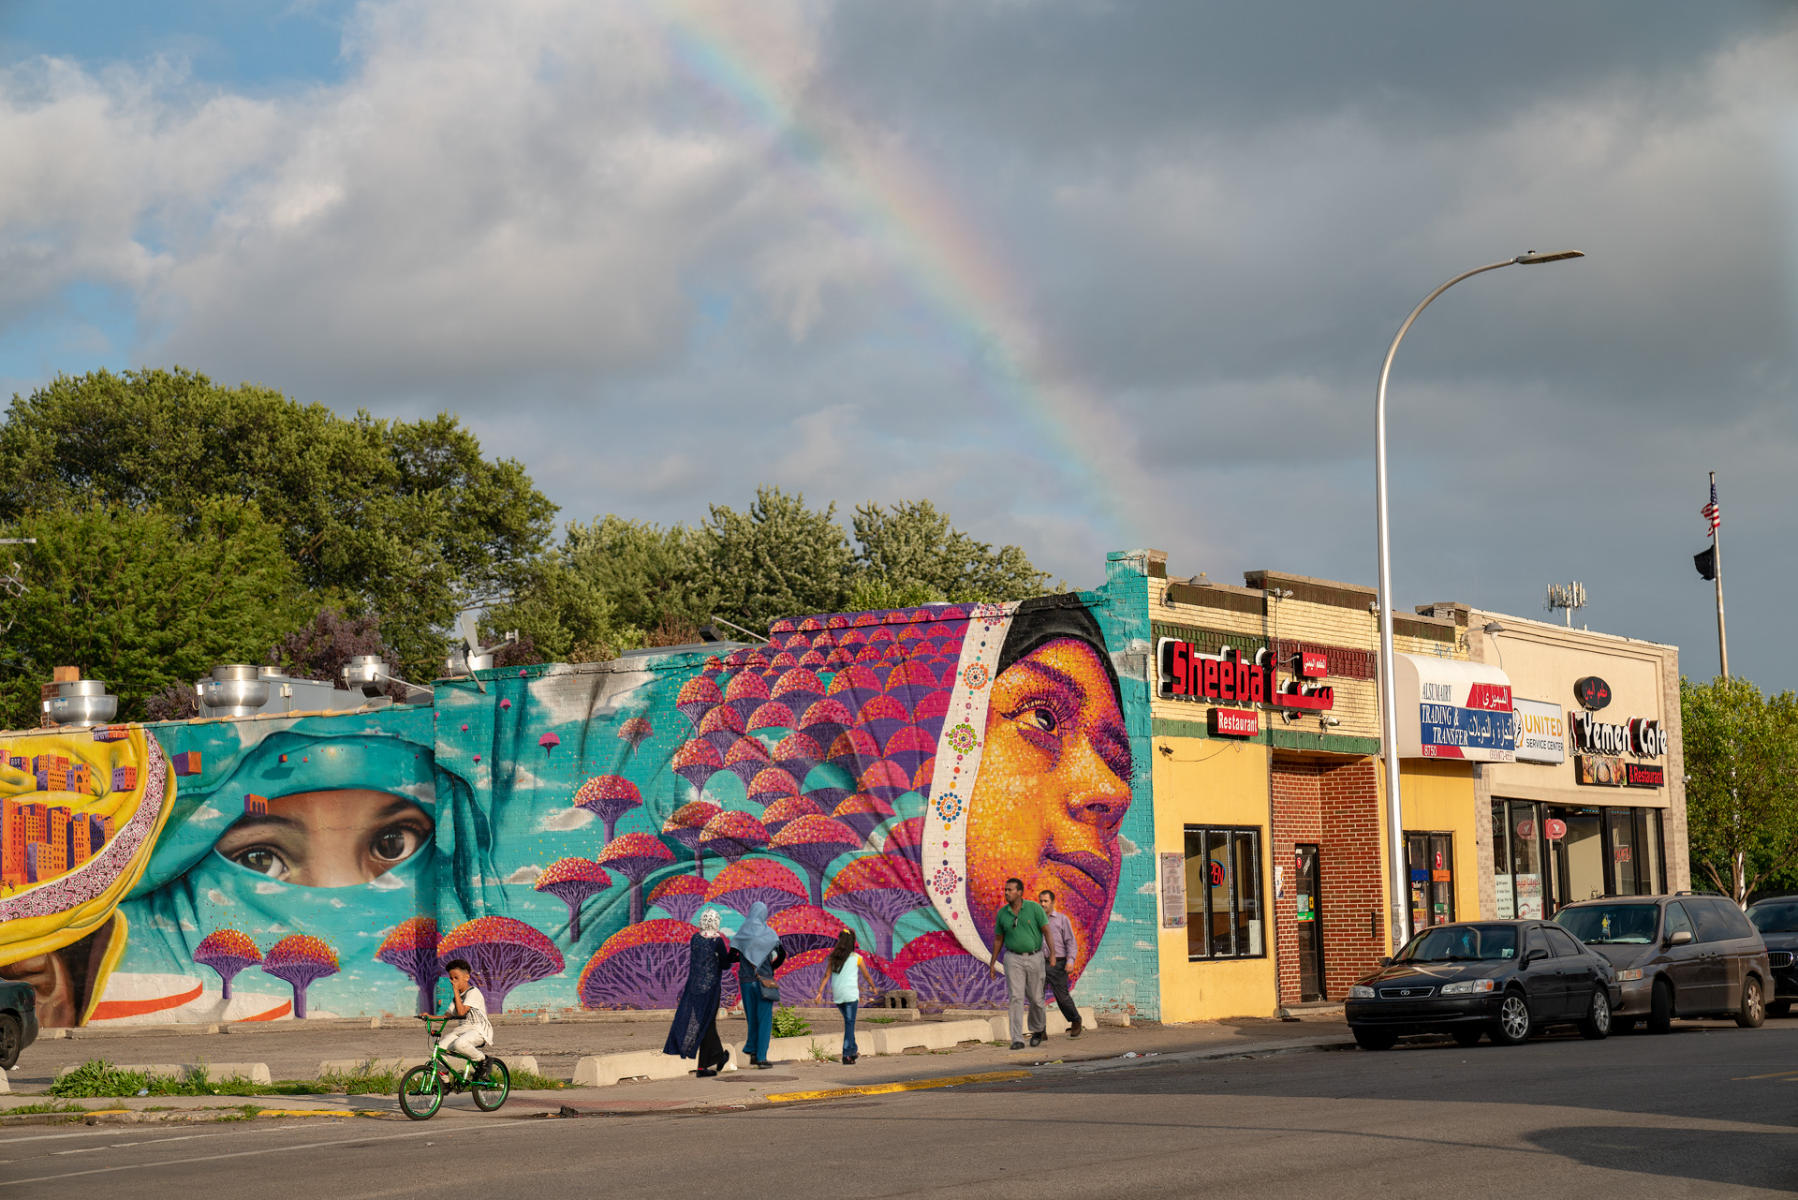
{"x": 562, "y": 827}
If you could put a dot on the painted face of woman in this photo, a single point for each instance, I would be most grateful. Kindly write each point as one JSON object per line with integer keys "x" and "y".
{"x": 1053, "y": 788}
{"x": 328, "y": 839}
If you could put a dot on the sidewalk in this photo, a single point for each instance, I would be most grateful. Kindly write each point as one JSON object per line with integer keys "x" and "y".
{"x": 295, "y": 1053}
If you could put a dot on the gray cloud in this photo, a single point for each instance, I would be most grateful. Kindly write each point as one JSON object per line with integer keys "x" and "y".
{"x": 1088, "y": 275}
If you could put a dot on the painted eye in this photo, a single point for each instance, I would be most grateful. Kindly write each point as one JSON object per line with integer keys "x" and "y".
{"x": 393, "y": 844}
{"x": 261, "y": 860}
{"x": 1045, "y": 719}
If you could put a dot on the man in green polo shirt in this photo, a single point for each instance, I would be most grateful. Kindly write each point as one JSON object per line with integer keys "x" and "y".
{"x": 1018, "y": 931}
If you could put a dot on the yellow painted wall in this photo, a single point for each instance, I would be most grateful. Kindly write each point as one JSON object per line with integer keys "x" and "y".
{"x": 1438, "y": 798}
{"x": 1211, "y": 781}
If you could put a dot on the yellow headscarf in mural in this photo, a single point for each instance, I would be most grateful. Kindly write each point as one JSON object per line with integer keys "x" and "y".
{"x": 82, "y": 811}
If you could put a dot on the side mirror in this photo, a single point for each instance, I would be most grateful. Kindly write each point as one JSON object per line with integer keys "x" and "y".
{"x": 1386, "y": 961}
{"x": 1679, "y": 937}
{"x": 1537, "y": 955}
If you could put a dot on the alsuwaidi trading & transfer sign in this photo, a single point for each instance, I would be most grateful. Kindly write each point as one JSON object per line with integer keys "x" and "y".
{"x": 1454, "y": 709}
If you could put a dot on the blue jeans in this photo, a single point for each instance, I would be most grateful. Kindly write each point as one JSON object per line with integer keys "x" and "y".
{"x": 848, "y": 1010}
{"x": 760, "y": 1015}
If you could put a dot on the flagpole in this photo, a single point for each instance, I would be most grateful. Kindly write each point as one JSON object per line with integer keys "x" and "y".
{"x": 1717, "y": 563}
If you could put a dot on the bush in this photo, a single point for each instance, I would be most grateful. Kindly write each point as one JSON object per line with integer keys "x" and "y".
{"x": 788, "y": 1023}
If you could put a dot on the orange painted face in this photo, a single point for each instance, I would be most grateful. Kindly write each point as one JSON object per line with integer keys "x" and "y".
{"x": 328, "y": 839}
{"x": 1054, "y": 786}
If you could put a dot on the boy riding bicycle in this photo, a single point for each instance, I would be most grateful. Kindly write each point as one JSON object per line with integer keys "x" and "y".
{"x": 473, "y": 1030}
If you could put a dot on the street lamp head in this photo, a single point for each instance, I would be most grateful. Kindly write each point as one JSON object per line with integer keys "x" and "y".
{"x": 1530, "y": 258}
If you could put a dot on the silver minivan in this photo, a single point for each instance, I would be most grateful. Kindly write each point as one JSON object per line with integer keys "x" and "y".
{"x": 1688, "y": 955}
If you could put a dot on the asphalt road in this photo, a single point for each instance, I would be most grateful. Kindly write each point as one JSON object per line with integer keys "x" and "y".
{"x": 1705, "y": 1112}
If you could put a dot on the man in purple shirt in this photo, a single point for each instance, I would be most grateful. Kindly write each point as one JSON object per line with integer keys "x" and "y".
{"x": 1060, "y": 953}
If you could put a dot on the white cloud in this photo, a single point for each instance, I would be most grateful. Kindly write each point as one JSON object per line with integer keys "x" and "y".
{"x": 525, "y": 875}
{"x": 565, "y": 820}
{"x": 214, "y": 896}
{"x": 386, "y": 883}
{"x": 207, "y": 812}
{"x": 269, "y": 888}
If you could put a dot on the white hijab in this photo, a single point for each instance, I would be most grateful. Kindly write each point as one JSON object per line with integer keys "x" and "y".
{"x": 709, "y": 923}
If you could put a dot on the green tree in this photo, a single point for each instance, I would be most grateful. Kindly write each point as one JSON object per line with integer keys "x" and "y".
{"x": 912, "y": 551}
{"x": 1741, "y": 752}
{"x": 142, "y": 599}
{"x": 650, "y": 574}
{"x": 406, "y": 521}
{"x": 778, "y": 558}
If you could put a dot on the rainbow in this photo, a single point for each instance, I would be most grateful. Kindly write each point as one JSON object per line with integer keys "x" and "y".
{"x": 736, "y": 51}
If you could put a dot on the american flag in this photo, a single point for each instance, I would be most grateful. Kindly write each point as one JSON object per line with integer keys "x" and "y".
{"x": 1711, "y": 512}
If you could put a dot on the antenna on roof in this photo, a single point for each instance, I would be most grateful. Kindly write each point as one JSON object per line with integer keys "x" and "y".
{"x": 1568, "y": 596}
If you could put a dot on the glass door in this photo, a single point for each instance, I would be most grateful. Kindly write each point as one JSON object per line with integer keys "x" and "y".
{"x": 1310, "y": 926}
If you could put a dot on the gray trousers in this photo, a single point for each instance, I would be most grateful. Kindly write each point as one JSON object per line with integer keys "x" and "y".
{"x": 1024, "y": 986}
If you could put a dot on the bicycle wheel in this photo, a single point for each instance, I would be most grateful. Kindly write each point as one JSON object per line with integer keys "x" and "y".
{"x": 421, "y": 1092}
{"x": 490, "y": 1092}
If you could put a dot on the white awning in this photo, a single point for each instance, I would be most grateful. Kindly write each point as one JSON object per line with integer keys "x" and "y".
{"x": 1450, "y": 709}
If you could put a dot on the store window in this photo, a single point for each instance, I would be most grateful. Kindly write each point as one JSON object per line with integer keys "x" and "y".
{"x": 1224, "y": 916}
{"x": 1430, "y": 864}
{"x": 1517, "y": 859}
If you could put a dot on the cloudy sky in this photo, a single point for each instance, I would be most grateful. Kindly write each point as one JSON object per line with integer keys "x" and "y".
{"x": 1090, "y": 275}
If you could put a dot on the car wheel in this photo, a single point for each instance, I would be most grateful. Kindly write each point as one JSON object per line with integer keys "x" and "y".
{"x": 1778, "y": 1008}
{"x": 12, "y": 1040}
{"x": 1375, "y": 1039}
{"x": 1597, "y": 1022}
{"x": 1660, "y": 1010}
{"x": 1514, "y": 1024}
{"x": 1754, "y": 1010}
{"x": 1467, "y": 1037}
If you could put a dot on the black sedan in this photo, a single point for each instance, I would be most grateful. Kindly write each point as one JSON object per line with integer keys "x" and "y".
{"x": 1505, "y": 978}
{"x": 1777, "y": 920}
{"x": 18, "y": 1021}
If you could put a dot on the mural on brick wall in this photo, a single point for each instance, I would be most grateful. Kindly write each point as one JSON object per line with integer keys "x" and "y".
{"x": 561, "y": 827}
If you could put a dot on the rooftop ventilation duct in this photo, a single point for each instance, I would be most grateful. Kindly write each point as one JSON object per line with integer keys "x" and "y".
{"x": 81, "y": 702}
{"x": 236, "y": 690}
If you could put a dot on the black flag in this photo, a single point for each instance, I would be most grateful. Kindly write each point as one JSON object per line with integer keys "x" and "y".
{"x": 1706, "y": 563}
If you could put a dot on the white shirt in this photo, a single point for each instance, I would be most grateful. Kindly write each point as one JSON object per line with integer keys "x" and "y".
{"x": 476, "y": 1021}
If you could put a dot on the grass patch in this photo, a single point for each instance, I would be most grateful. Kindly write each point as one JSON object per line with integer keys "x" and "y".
{"x": 878, "y": 1020}
{"x": 42, "y": 1106}
{"x": 365, "y": 1080}
{"x": 530, "y": 1081}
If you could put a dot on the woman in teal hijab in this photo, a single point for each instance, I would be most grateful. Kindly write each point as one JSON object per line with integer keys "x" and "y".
{"x": 309, "y": 830}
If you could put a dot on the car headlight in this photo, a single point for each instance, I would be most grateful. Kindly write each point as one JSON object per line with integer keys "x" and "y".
{"x": 1467, "y": 987}
{"x": 1630, "y": 975}
{"x": 1360, "y": 992}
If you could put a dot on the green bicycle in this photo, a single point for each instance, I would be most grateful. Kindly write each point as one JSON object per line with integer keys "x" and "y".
{"x": 423, "y": 1087}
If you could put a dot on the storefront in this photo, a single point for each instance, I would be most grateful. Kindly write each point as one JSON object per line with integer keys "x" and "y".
{"x": 1592, "y": 800}
{"x": 1269, "y": 802}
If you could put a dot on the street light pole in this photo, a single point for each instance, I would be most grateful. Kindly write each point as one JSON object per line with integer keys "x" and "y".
{"x": 1400, "y": 920}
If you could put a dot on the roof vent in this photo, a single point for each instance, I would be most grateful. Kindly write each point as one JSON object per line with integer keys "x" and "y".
{"x": 236, "y": 690}
{"x": 81, "y": 702}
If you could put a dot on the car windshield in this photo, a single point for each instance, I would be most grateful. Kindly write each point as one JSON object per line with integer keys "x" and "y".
{"x": 1775, "y": 916}
{"x": 1610, "y": 924}
{"x": 1462, "y": 943}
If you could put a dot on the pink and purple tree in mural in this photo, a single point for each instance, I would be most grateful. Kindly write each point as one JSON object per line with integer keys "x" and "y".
{"x": 944, "y": 975}
{"x": 635, "y": 856}
{"x": 299, "y": 961}
{"x": 686, "y": 823}
{"x": 788, "y": 809}
{"x": 680, "y": 896}
{"x": 877, "y": 890}
{"x": 635, "y": 732}
{"x": 906, "y": 840}
{"x": 863, "y": 813}
{"x": 502, "y": 953}
{"x": 730, "y": 835}
{"x": 805, "y": 927}
{"x": 573, "y": 881}
{"x": 608, "y": 797}
{"x": 814, "y": 842}
{"x": 641, "y": 966}
{"x": 743, "y": 883}
{"x": 227, "y": 951}
{"x": 411, "y": 949}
